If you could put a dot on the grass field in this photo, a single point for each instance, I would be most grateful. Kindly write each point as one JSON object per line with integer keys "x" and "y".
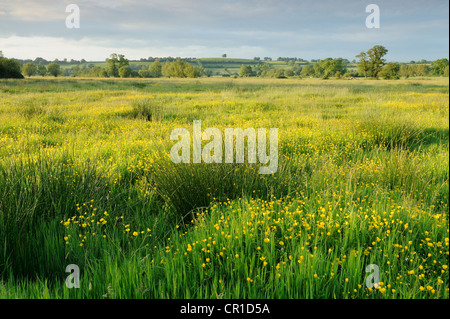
{"x": 86, "y": 179}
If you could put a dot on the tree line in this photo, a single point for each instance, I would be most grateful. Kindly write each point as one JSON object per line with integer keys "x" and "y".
{"x": 370, "y": 64}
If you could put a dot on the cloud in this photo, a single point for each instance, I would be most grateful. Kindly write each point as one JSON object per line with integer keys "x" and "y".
{"x": 206, "y": 27}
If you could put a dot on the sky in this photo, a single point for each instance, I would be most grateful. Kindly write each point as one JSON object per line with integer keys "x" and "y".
{"x": 308, "y": 29}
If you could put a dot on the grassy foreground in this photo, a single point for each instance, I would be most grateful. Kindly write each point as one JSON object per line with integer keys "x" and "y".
{"x": 86, "y": 179}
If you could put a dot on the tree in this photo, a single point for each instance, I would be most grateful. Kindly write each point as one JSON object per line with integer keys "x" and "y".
{"x": 329, "y": 67}
{"x": 245, "y": 71}
{"x": 405, "y": 71}
{"x": 438, "y": 67}
{"x": 191, "y": 71}
{"x": 54, "y": 69}
{"x": 114, "y": 63}
{"x": 180, "y": 69}
{"x": 207, "y": 72}
{"x": 262, "y": 69}
{"x": 363, "y": 63}
{"x": 39, "y": 60}
{"x": 376, "y": 60}
{"x": 297, "y": 69}
{"x": 307, "y": 71}
{"x": 42, "y": 70}
{"x": 391, "y": 71}
{"x": 29, "y": 69}
{"x": 76, "y": 70}
{"x": 413, "y": 70}
{"x": 125, "y": 71}
{"x": 111, "y": 65}
{"x": 278, "y": 73}
{"x": 10, "y": 68}
{"x": 144, "y": 72}
{"x": 422, "y": 69}
{"x": 102, "y": 73}
{"x": 155, "y": 69}
{"x": 224, "y": 55}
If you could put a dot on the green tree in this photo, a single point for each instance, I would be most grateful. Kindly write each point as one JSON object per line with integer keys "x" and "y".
{"x": 363, "y": 64}
{"x": 144, "y": 72}
{"x": 111, "y": 65}
{"x": 114, "y": 63}
{"x": 329, "y": 67}
{"x": 414, "y": 70}
{"x": 376, "y": 60}
{"x": 390, "y": 71}
{"x": 191, "y": 71}
{"x": 173, "y": 69}
{"x": 29, "y": 69}
{"x": 422, "y": 69}
{"x": 297, "y": 69}
{"x": 125, "y": 71}
{"x": 10, "y": 68}
{"x": 405, "y": 71}
{"x": 54, "y": 69}
{"x": 289, "y": 73}
{"x": 76, "y": 71}
{"x": 307, "y": 71}
{"x": 438, "y": 67}
{"x": 180, "y": 69}
{"x": 207, "y": 72}
{"x": 278, "y": 73}
{"x": 155, "y": 69}
{"x": 42, "y": 70}
{"x": 102, "y": 73}
{"x": 245, "y": 71}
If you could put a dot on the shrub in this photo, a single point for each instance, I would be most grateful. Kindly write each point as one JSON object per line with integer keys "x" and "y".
{"x": 10, "y": 68}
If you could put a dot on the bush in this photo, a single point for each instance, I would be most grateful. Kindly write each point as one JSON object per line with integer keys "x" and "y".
{"x": 391, "y": 71}
{"x": 125, "y": 71}
{"x": 10, "y": 68}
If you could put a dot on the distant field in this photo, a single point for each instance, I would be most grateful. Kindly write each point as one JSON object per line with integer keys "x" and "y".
{"x": 86, "y": 179}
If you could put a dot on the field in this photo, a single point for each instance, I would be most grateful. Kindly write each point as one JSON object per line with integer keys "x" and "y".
{"x": 86, "y": 179}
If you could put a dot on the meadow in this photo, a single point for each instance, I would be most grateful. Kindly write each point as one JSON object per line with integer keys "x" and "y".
{"x": 86, "y": 179}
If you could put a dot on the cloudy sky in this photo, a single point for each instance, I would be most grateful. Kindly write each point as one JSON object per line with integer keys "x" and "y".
{"x": 309, "y": 29}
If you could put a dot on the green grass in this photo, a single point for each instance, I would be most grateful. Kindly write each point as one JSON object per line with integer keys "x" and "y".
{"x": 85, "y": 178}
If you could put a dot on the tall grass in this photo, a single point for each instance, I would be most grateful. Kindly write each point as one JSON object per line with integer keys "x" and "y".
{"x": 362, "y": 179}
{"x": 147, "y": 109}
